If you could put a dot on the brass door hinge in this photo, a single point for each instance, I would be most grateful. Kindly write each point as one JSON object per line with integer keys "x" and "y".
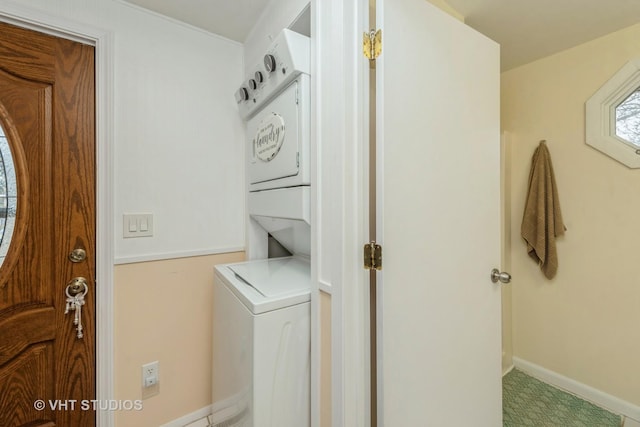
{"x": 372, "y": 44}
{"x": 372, "y": 256}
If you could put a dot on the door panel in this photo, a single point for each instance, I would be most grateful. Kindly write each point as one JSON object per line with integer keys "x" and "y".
{"x": 438, "y": 220}
{"x": 47, "y": 113}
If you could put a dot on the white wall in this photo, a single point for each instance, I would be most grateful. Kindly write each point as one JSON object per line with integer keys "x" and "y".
{"x": 178, "y": 138}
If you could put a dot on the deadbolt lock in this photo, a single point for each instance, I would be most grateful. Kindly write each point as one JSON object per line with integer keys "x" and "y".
{"x": 77, "y": 255}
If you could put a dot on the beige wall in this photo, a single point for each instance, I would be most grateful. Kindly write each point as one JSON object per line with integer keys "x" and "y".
{"x": 584, "y": 323}
{"x": 164, "y": 312}
{"x": 442, "y": 4}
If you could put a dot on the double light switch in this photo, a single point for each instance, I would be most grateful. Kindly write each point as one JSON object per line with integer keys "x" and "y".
{"x": 138, "y": 225}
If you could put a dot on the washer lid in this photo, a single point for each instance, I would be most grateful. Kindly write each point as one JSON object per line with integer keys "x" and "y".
{"x": 275, "y": 277}
{"x": 267, "y": 285}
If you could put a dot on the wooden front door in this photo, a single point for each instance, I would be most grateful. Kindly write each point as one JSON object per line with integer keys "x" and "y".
{"x": 47, "y": 91}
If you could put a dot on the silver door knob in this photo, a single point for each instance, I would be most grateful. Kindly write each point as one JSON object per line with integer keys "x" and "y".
{"x": 497, "y": 275}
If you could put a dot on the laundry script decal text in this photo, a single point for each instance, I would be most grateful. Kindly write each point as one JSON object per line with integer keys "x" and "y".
{"x": 269, "y": 137}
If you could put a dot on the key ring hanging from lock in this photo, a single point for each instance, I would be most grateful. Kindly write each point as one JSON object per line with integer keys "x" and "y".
{"x": 77, "y": 287}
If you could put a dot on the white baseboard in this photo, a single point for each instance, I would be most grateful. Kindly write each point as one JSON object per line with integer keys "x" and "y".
{"x": 189, "y": 418}
{"x": 507, "y": 370}
{"x": 588, "y": 393}
{"x": 628, "y": 422}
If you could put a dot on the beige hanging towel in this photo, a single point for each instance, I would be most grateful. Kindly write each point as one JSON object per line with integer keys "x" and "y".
{"x": 542, "y": 220}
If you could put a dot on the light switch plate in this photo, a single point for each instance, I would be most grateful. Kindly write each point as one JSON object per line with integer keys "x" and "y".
{"x": 137, "y": 225}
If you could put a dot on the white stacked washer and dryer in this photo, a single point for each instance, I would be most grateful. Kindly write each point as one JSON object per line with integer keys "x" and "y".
{"x": 261, "y": 325}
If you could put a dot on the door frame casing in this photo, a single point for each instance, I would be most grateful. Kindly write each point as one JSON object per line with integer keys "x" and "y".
{"x": 340, "y": 129}
{"x": 102, "y": 41}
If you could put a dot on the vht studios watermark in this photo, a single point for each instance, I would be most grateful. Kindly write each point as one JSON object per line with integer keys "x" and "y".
{"x": 88, "y": 405}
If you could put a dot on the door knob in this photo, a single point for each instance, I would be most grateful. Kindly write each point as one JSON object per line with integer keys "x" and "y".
{"x": 76, "y": 291}
{"x": 502, "y": 277}
{"x": 77, "y": 285}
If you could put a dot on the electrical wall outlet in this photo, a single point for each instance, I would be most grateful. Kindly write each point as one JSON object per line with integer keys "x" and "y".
{"x": 150, "y": 379}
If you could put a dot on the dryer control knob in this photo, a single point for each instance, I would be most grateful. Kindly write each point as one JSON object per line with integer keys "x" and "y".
{"x": 259, "y": 77}
{"x": 252, "y": 84}
{"x": 270, "y": 63}
{"x": 242, "y": 94}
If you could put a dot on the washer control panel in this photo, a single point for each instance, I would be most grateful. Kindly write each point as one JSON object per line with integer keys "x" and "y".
{"x": 287, "y": 57}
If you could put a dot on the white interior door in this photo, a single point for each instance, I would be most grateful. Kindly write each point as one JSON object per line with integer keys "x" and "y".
{"x": 438, "y": 189}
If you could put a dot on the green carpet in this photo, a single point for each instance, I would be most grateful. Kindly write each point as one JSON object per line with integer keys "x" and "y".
{"x": 527, "y": 401}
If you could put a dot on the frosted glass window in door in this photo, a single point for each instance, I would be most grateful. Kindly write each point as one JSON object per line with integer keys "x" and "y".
{"x": 8, "y": 195}
{"x": 628, "y": 119}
